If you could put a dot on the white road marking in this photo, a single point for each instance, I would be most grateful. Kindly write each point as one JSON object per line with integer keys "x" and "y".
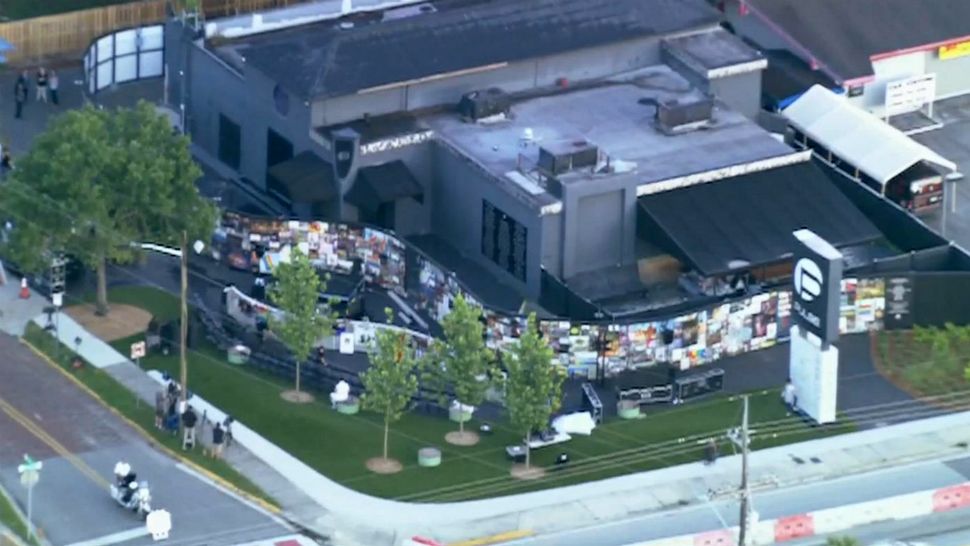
{"x": 114, "y": 538}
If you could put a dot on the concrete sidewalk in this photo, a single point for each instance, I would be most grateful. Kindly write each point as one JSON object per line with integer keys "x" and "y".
{"x": 325, "y": 506}
{"x": 16, "y": 313}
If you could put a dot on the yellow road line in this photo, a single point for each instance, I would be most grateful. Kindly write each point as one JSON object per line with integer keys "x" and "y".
{"x": 496, "y": 539}
{"x": 58, "y": 448}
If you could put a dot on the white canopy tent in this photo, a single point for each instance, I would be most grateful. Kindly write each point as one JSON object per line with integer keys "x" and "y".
{"x": 857, "y": 137}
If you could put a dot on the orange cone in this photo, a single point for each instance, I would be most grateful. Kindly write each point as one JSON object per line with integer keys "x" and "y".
{"x": 24, "y": 290}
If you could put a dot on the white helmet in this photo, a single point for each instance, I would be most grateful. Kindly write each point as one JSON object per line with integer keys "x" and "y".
{"x": 122, "y": 469}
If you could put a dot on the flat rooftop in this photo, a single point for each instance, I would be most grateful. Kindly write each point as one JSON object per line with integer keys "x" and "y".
{"x": 715, "y": 52}
{"x": 375, "y": 48}
{"x": 610, "y": 117}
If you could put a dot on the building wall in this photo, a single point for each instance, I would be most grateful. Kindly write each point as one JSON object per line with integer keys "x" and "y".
{"x": 552, "y": 243}
{"x": 458, "y": 188}
{"x": 598, "y": 243}
{"x": 599, "y": 224}
{"x": 573, "y": 67}
{"x": 742, "y": 92}
{"x": 213, "y": 88}
{"x": 411, "y": 217}
{"x": 952, "y": 77}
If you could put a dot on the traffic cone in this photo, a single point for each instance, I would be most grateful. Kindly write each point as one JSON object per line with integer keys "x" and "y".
{"x": 24, "y": 289}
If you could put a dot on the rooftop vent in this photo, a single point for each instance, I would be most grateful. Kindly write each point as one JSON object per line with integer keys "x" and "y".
{"x": 563, "y": 157}
{"x": 681, "y": 116}
{"x": 478, "y": 105}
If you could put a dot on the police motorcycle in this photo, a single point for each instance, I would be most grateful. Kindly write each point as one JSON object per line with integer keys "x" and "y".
{"x": 129, "y": 493}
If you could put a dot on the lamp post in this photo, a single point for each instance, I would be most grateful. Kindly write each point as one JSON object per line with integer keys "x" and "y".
{"x": 29, "y": 476}
{"x": 198, "y": 246}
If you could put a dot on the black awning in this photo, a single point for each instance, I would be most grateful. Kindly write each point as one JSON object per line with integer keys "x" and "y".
{"x": 305, "y": 178}
{"x": 383, "y": 184}
{"x": 747, "y": 221}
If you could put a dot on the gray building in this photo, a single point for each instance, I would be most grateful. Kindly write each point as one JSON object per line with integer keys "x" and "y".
{"x": 524, "y": 138}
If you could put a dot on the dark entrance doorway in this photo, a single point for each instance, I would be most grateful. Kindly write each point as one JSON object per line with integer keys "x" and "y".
{"x": 278, "y": 150}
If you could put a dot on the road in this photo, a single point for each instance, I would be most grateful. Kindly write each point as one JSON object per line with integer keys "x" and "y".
{"x": 79, "y": 441}
{"x": 945, "y": 529}
{"x": 770, "y": 505}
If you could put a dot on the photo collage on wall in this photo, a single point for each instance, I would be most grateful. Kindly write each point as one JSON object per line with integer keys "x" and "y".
{"x": 862, "y": 306}
{"x": 255, "y": 244}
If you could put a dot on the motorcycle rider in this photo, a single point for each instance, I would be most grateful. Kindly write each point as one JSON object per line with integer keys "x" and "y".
{"x": 126, "y": 481}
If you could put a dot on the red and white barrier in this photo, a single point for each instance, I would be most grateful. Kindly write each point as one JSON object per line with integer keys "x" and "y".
{"x": 832, "y": 520}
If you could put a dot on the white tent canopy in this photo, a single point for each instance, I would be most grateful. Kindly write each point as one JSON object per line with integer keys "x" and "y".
{"x": 857, "y": 137}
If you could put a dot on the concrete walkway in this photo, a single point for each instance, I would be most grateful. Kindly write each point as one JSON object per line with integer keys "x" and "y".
{"x": 324, "y": 505}
{"x": 98, "y": 353}
{"x": 15, "y": 312}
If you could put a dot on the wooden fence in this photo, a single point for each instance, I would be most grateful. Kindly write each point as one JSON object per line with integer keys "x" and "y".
{"x": 66, "y": 36}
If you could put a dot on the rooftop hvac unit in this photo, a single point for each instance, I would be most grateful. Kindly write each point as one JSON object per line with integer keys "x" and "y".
{"x": 675, "y": 116}
{"x": 486, "y": 103}
{"x": 559, "y": 158}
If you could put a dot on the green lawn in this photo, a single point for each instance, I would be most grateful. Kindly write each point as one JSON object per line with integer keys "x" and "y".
{"x": 10, "y": 519}
{"x": 161, "y": 305}
{"x": 926, "y": 361}
{"x": 121, "y": 399}
{"x": 23, "y": 9}
{"x": 338, "y": 445}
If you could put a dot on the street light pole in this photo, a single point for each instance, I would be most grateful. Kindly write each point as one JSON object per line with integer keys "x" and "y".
{"x": 745, "y": 491}
{"x": 184, "y": 326}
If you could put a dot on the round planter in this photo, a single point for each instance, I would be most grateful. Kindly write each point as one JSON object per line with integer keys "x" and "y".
{"x": 429, "y": 457}
{"x": 627, "y": 410}
{"x": 237, "y": 355}
{"x": 349, "y": 407}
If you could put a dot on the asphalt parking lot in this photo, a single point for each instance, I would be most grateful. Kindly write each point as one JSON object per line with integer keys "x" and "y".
{"x": 952, "y": 141}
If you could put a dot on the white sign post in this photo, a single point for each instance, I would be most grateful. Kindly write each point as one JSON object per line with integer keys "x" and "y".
{"x": 29, "y": 476}
{"x": 137, "y": 352}
{"x": 910, "y": 95}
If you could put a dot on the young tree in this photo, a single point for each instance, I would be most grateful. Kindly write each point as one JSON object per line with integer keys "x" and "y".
{"x": 296, "y": 293}
{"x": 461, "y": 359}
{"x": 97, "y": 181}
{"x": 534, "y": 388}
{"x": 390, "y": 381}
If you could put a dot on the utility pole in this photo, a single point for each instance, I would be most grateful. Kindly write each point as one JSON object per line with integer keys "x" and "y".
{"x": 745, "y": 492}
{"x": 184, "y": 326}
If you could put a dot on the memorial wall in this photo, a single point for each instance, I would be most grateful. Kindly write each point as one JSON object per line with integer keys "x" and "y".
{"x": 690, "y": 339}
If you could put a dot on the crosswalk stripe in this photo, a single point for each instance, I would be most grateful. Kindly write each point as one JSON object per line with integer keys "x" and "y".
{"x": 114, "y": 538}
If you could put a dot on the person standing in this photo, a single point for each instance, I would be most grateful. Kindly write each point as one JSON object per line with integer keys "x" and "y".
{"x": 42, "y": 80}
{"x": 161, "y": 402}
{"x": 218, "y": 441}
{"x": 189, "y": 419}
{"x": 20, "y": 94}
{"x": 789, "y": 397}
{"x": 55, "y": 84}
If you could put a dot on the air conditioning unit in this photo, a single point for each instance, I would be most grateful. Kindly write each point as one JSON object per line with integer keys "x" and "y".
{"x": 486, "y": 103}
{"x": 675, "y": 116}
{"x": 562, "y": 157}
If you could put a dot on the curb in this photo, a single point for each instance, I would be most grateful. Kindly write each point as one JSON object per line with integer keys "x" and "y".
{"x": 495, "y": 539}
{"x": 218, "y": 480}
{"x": 831, "y": 520}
